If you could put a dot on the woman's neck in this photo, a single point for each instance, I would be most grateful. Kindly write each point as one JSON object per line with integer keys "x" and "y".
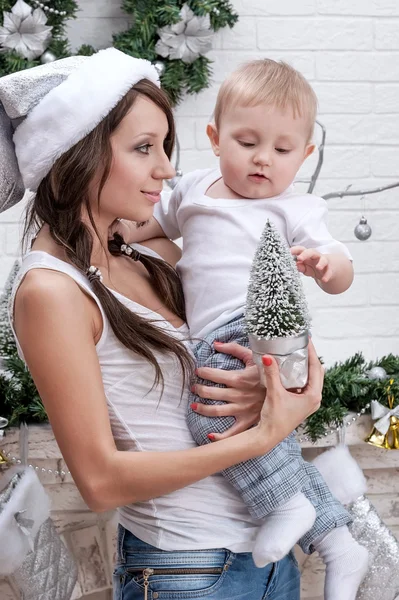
{"x": 100, "y": 256}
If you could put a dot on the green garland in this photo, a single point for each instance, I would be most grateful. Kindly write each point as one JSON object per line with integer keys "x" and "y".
{"x": 348, "y": 389}
{"x": 10, "y": 62}
{"x": 346, "y": 386}
{"x": 148, "y": 16}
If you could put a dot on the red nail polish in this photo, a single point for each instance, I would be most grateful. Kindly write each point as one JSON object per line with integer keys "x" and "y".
{"x": 211, "y": 437}
{"x": 267, "y": 361}
{"x": 218, "y": 343}
{"x": 192, "y": 389}
{"x": 194, "y": 406}
{"x": 196, "y": 371}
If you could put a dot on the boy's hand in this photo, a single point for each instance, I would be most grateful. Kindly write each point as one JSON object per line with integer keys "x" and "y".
{"x": 120, "y": 226}
{"x": 312, "y": 264}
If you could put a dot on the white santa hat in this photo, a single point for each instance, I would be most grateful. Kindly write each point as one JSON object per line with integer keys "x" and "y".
{"x": 46, "y": 110}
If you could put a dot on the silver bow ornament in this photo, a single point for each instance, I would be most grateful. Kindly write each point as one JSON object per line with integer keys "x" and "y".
{"x": 25, "y": 31}
{"x": 186, "y": 40}
{"x": 3, "y": 424}
{"x": 382, "y": 415}
{"x": 25, "y": 525}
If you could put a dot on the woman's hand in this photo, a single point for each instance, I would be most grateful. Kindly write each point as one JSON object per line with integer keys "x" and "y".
{"x": 244, "y": 395}
{"x": 284, "y": 410}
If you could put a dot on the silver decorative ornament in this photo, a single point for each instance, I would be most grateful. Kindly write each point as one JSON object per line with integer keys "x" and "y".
{"x": 172, "y": 183}
{"x": 159, "y": 66}
{"x": 47, "y": 57}
{"x": 377, "y": 373}
{"x": 3, "y": 424}
{"x": 363, "y": 230}
{"x": 25, "y": 31}
{"x": 382, "y": 578}
{"x": 346, "y": 481}
{"x": 186, "y": 40}
{"x": 291, "y": 355}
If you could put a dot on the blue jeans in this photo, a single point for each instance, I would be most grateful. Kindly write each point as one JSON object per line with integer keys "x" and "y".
{"x": 145, "y": 573}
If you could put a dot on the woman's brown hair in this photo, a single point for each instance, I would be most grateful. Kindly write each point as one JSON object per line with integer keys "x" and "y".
{"x": 58, "y": 203}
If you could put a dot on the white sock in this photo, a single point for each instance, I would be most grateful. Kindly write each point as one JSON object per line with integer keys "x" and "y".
{"x": 346, "y": 563}
{"x": 282, "y": 529}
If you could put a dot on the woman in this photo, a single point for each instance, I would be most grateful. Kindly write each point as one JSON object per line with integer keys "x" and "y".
{"x": 105, "y": 340}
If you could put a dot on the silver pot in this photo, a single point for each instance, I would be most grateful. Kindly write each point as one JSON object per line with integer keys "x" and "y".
{"x": 291, "y": 355}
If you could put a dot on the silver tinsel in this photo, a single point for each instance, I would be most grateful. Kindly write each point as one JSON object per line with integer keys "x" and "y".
{"x": 188, "y": 39}
{"x": 382, "y": 579}
{"x": 25, "y": 31}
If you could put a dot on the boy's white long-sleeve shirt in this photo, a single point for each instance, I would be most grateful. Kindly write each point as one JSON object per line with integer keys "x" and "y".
{"x": 220, "y": 237}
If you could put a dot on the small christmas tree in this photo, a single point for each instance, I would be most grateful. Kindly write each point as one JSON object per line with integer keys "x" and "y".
{"x": 276, "y": 305}
{"x": 7, "y": 342}
{"x": 19, "y": 398}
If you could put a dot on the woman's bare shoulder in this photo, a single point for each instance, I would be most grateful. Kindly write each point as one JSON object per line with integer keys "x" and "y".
{"x": 43, "y": 290}
{"x": 46, "y": 284}
{"x": 167, "y": 249}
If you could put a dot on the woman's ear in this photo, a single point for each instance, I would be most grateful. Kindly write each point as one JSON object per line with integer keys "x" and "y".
{"x": 213, "y": 135}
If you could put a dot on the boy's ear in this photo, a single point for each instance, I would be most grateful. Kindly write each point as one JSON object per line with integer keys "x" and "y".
{"x": 309, "y": 150}
{"x": 213, "y": 135}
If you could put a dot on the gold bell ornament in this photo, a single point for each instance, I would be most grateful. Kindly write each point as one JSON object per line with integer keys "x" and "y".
{"x": 385, "y": 433}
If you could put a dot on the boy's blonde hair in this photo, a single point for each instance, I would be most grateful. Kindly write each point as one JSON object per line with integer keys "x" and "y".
{"x": 266, "y": 81}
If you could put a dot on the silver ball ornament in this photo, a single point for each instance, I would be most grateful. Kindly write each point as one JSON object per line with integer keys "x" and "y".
{"x": 47, "y": 57}
{"x": 363, "y": 230}
{"x": 159, "y": 66}
{"x": 172, "y": 183}
{"x": 377, "y": 373}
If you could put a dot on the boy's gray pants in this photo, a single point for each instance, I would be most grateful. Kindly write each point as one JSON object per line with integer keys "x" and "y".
{"x": 268, "y": 481}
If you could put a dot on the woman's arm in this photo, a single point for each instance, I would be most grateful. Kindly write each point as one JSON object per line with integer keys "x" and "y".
{"x": 55, "y": 327}
{"x": 132, "y": 234}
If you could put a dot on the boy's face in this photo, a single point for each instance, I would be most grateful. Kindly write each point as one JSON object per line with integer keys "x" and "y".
{"x": 261, "y": 148}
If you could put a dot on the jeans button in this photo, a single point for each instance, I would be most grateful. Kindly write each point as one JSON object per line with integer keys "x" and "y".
{"x": 155, "y": 595}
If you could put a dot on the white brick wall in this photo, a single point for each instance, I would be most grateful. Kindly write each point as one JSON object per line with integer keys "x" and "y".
{"x": 349, "y": 50}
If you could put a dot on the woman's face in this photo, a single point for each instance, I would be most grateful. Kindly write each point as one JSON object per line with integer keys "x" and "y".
{"x": 139, "y": 165}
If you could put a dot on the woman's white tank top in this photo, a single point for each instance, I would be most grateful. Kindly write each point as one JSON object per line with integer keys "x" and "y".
{"x": 207, "y": 514}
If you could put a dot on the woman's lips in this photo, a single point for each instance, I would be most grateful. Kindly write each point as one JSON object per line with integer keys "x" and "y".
{"x": 153, "y": 196}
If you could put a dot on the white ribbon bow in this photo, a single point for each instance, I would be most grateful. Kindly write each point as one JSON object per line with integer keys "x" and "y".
{"x": 25, "y": 525}
{"x": 383, "y": 414}
{"x": 3, "y": 423}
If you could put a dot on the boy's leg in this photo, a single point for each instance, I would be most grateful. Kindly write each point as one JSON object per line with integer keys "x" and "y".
{"x": 330, "y": 513}
{"x": 270, "y": 485}
{"x": 265, "y": 482}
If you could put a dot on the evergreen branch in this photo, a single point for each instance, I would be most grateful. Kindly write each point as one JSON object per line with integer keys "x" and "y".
{"x": 197, "y": 75}
{"x": 11, "y": 62}
{"x": 148, "y": 16}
